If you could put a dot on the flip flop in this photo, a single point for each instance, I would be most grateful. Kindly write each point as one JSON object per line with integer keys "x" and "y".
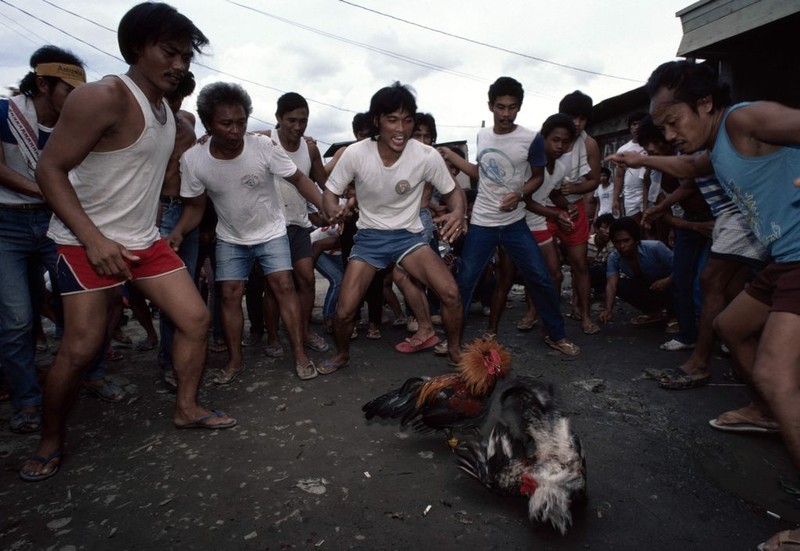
{"x": 329, "y": 366}
{"x": 227, "y": 377}
{"x": 678, "y": 379}
{"x": 202, "y": 422}
{"x": 734, "y": 421}
{"x": 565, "y": 347}
{"x": 788, "y": 539}
{"x": 43, "y": 460}
{"x": 646, "y": 319}
{"x": 526, "y": 324}
{"x": 406, "y": 346}
{"x": 108, "y": 392}
{"x": 307, "y": 371}
{"x": 591, "y": 329}
{"x": 146, "y": 344}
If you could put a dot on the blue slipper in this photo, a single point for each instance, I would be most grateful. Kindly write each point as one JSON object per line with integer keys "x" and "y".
{"x": 109, "y": 392}
{"x": 30, "y": 477}
{"x": 202, "y": 422}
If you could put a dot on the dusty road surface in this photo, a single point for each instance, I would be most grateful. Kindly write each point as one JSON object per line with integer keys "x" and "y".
{"x": 304, "y": 470}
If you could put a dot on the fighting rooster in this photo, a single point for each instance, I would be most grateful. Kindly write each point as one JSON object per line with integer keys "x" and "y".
{"x": 456, "y": 400}
{"x": 528, "y": 449}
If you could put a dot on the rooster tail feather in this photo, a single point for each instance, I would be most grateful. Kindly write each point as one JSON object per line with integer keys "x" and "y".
{"x": 551, "y": 503}
{"x": 395, "y": 404}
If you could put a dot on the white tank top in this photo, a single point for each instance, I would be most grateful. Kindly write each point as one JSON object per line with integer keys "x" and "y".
{"x": 295, "y": 206}
{"x": 119, "y": 189}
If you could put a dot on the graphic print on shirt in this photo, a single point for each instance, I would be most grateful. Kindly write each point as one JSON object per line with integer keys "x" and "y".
{"x": 250, "y": 180}
{"x": 496, "y": 167}
{"x": 747, "y": 205}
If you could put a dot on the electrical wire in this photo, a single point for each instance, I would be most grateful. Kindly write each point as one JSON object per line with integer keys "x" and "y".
{"x": 487, "y": 45}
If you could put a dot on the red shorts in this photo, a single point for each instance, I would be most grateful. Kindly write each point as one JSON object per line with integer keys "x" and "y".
{"x": 76, "y": 275}
{"x": 579, "y": 234}
{"x": 542, "y": 236}
{"x": 778, "y": 286}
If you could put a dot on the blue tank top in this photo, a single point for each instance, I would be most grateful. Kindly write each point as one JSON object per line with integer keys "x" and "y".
{"x": 763, "y": 189}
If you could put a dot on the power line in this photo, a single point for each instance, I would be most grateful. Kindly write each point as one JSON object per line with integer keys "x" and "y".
{"x": 479, "y": 43}
{"x": 369, "y": 47}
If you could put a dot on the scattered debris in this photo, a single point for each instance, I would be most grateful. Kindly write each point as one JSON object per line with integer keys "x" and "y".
{"x": 426, "y": 511}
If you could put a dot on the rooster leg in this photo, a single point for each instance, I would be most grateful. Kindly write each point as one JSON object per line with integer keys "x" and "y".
{"x": 452, "y": 441}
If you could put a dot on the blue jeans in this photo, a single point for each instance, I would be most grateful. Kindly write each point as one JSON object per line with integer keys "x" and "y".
{"x": 331, "y": 268}
{"x": 688, "y": 251}
{"x": 170, "y": 214}
{"x": 23, "y": 245}
{"x": 517, "y": 241}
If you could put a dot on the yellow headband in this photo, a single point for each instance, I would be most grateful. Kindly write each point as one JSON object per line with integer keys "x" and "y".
{"x": 71, "y": 74}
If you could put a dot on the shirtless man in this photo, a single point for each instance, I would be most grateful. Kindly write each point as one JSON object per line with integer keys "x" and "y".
{"x": 102, "y": 172}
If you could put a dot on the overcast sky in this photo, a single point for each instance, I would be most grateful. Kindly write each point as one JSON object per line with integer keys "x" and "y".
{"x": 338, "y": 53}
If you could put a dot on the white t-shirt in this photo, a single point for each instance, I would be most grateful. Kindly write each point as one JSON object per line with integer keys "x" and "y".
{"x": 577, "y": 162}
{"x": 537, "y": 222}
{"x": 633, "y": 183}
{"x": 605, "y": 196}
{"x": 389, "y": 196}
{"x": 243, "y": 189}
{"x": 295, "y": 206}
{"x": 502, "y": 168}
{"x": 655, "y": 187}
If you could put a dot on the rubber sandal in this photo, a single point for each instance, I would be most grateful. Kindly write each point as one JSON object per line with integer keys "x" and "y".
{"x": 202, "y": 422}
{"x": 218, "y": 347}
{"x": 564, "y": 346}
{"x": 42, "y": 460}
{"x": 782, "y": 541}
{"x": 113, "y": 355}
{"x": 146, "y": 344}
{"x": 329, "y": 366}
{"x": 526, "y": 324}
{"x": 734, "y": 421}
{"x": 591, "y": 329}
{"x": 227, "y": 377}
{"x": 399, "y": 321}
{"x": 678, "y": 379}
{"x": 26, "y": 422}
{"x": 108, "y": 392}
{"x": 307, "y": 371}
{"x": 373, "y": 334}
{"x": 440, "y": 349}
{"x": 316, "y": 343}
{"x": 408, "y": 347}
{"x": 647, "y": 319}
{"x": 273, "y": 350}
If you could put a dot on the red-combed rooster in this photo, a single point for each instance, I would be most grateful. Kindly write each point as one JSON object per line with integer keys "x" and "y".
{"x": 528, "y": 449}
{"x": 456, "y": 400}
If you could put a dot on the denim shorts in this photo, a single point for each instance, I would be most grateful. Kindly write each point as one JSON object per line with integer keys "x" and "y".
{"x": 379, "y": 248}
{"x": 234, "y": 262}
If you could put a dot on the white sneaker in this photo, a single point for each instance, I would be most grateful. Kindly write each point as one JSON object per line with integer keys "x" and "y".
{"x": 675, "y": 345}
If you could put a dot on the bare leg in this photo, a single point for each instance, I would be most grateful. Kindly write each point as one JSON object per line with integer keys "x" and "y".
{"x": 357, "y": 277}
{"x": 740, "y": 326}
{"x": 177, "y": 296}
{"x": 289, "y": 304}
{"x": 233, "y": 323}
{"x": 776, "y": 374}
{"x": 426, "y": 266}
{"x": 271, "y": 317}
{"x": 304, "y": 282}
{"x": 85, "y": 317}
{"x": 417, "y": 302}
{"x": 580, "y": 285}
{"x": 715, "y": 279}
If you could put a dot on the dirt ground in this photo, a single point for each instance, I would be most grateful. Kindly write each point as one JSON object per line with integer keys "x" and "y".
{"x": 303, "y": 469}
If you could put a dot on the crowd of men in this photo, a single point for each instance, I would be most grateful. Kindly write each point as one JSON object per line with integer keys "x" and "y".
{"x": 103, "y": 185}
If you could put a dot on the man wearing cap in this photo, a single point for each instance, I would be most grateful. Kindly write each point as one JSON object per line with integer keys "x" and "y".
{"x": 26, "y": 121}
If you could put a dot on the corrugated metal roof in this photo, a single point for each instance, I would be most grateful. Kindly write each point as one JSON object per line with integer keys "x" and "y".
{"x": 709, "y": 22}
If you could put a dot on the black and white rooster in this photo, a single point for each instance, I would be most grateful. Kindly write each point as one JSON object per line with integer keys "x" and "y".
{"x": 528, "y": 449}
